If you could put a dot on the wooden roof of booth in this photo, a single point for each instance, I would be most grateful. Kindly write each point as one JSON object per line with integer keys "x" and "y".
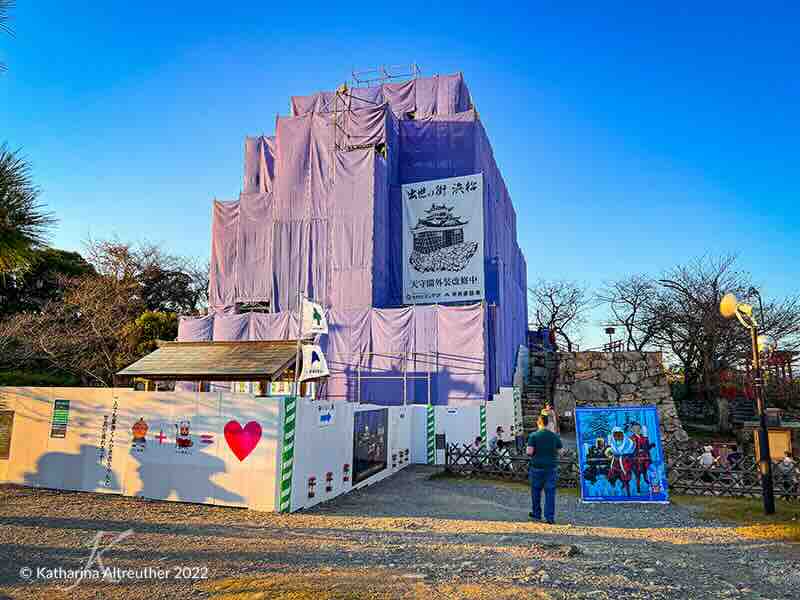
{"x": 214, "y": 361}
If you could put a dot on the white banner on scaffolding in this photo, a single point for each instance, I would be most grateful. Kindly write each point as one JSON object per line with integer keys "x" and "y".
{"x": 443, "y": 240}
{"x": 314, "y": 321}
{"x": 314, "y": 363}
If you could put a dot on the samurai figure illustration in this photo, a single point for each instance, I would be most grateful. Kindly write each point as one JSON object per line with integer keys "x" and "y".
{"x": 641, "y": 455}
{"x": 621, "y": 452}
{"x": 597, "y": 461}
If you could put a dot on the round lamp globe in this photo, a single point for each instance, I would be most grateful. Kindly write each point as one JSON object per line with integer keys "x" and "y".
{"x": 728, "y": 306}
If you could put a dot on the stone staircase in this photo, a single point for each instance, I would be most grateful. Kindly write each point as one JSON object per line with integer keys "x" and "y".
{"x": 538, "y": 388}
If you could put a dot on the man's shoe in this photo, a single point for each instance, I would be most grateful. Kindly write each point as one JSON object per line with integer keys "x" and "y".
{"x": 533, "y": 517}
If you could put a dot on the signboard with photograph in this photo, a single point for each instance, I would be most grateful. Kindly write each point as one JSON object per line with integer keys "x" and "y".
{"x": 370, "y": 437}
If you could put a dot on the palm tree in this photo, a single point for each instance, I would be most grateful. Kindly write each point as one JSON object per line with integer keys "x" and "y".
{"x": 5, "y": 9}
{"x": 23, "y": 222}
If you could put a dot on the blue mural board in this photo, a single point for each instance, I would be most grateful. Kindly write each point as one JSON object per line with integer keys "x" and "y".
{"x": 620, "y": 454}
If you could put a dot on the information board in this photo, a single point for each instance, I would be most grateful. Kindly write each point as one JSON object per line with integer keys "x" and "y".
{"x": 6, "y": 427}
{"x": 58, "y": 425}
{"x": 443, "y": 240}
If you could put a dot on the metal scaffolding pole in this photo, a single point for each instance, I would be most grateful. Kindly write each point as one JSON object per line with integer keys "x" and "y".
{"x": 405, "y": 380}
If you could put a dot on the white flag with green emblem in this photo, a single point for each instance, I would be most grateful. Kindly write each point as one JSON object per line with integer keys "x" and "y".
{"x": 314, "y": 363}
{"x": 314, "y": 320}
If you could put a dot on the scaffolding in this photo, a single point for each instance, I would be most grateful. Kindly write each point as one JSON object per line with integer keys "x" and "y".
{"x": 339, "y": 105}
{"x": 424, "y": 366}
{"x": 383, "y": 74}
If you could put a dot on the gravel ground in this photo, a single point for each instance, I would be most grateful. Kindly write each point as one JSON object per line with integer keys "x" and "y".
{"x": 439, "y": 532}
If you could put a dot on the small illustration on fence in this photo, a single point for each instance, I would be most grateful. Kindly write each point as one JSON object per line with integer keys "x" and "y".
{"x": 620, "y": 454}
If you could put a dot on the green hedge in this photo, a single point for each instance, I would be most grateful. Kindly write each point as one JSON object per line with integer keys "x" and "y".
{"x": 27, "y": 378}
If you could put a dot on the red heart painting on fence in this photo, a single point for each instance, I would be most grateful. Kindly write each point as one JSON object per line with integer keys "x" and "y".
{"x": 242, "y": 441}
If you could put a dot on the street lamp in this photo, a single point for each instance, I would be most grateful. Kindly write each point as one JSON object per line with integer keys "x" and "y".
{"x": 730, "y": 307}
{"x": 754, "y": 292}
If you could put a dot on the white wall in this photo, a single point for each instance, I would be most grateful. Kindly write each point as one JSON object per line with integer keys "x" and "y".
{"x": 460, "y": 424}
{"x": 210, "y": 472}
{"x": 322, "y": 448}
{"x": 90, "y": 458}
{"x": 501, "y": 412}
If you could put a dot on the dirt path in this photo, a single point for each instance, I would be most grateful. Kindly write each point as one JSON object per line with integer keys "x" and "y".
{"x": 411, "y": 536}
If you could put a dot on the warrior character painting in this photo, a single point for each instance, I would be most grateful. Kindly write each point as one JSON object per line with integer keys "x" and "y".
{"x": 641, "y": 455}
{"x": 182, "y": 437}
{"x": 621, "y": 452}
{"x": 139, "y": 431}
{"x": 597, "y": 460}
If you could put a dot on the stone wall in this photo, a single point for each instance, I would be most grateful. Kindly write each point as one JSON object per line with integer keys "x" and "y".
{"x": 616, "y": 379}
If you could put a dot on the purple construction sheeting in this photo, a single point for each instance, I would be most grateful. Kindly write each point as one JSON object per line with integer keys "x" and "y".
{"x": 352, "y": 229}
{"x": 293, "y": 168}
{"x": 232, "y": 328}
{"x": 461, "y": 354}
{"x": 222, "y": 273}
{"x": 273, "y": 326}
{"x": 196, "y": 329}
{"x": 328, "y": 243}
{"x": 327, "y": 222}
{"x": 259, "y": 164}
{"x": 365, "y": 97}
{"x": 254, "y": 247}
{"x": 365, "y": 125}
{"x": 449, "y": 342}
{"x": 441, "y": 94}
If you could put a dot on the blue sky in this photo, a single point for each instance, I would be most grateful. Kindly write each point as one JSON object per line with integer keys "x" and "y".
{"x": 630, "y": 139}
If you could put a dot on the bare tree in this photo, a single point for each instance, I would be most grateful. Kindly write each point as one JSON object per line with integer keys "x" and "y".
{"x": 560, "y": 306}
{"x": 164, "y": 282}
{"x": 84, "y": 333}
{"x": 780, "y": 321}
{"x": 13, "y": 351}
{"x": 680, "y": 312}
{"x": 688, "y": 310}
{"x": 630, "y": 305}
{"x": 107, "y": 318}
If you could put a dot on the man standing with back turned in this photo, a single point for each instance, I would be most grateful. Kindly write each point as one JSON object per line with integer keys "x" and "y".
{"x": 543, "y": 447}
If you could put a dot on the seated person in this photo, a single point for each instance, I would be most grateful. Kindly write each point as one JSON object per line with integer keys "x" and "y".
{"x": 476, "y": 447}
{"x": 497, "y": 443}
{"x": 734, "y": 457}
{"x": 708, "y": 461}
{"x": 707, "y": 458}
{"x": 785, "y": 471}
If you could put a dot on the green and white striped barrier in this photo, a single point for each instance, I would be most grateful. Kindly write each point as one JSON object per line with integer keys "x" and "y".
{"x": 483, "y": 425}
{"x": 431, "y": 435}
{"x": 287, "y": 453}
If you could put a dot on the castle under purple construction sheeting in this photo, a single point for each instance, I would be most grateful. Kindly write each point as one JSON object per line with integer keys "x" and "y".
{"x": 321, "y": 212}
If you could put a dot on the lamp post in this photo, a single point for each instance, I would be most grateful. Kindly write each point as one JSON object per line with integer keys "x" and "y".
{"x": 729, "y": 307}
{"x": 754, "y": 292}
{"x": 610, "y": 332}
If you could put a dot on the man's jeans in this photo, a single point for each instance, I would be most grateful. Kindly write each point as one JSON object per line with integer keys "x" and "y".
{"x": 543, "y": 479}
